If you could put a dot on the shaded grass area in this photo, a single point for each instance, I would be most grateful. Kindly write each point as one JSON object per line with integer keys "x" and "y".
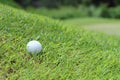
{"x": 69, "y": 12}
{"x": 11, "y": 3}
{"x": 66, "y": 12}
{"x": 67, "y": 53}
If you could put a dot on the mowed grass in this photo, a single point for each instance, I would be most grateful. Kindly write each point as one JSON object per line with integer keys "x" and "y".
{"x": 11, "y": 3}
{"x": 109, "y": 26}
{"x": 68, "y": 54}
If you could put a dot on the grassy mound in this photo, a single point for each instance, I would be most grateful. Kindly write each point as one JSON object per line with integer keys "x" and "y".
{"x": 10, "y": 3}
{"x": 67, "y": 53}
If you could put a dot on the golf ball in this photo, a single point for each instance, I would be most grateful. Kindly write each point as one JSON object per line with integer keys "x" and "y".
{"x": 34, "y": 47}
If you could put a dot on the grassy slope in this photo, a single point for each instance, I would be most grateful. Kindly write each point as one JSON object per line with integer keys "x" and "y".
{"x": 67, "y": 53}
{"x": 10, "y": 3}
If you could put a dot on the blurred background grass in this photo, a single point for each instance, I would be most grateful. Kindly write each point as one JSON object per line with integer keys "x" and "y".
{"x": 65, "y": 9}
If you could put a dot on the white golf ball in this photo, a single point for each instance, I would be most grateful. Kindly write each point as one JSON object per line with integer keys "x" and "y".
{"x": 34, "y": 47}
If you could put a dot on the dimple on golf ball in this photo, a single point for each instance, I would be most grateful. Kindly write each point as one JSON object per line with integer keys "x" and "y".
{"x": 34, "y": 47}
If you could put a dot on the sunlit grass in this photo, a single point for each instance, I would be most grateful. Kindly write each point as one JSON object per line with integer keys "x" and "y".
{"x": 109, "y": 26}
{"x": 68, "y": 54}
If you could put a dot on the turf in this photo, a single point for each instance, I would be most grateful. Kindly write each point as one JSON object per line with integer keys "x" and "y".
{"x": 63, "y": 12}
{"x": 89, "y": 21}
{"x": 104, "y": 25}
{"x": 68, "y": 54}
{"x": 10, "y": 3}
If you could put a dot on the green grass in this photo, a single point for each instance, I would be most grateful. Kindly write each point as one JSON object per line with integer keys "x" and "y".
{"x": 89, "y": 21}
{"x": 109, "y": 26}
{"x": 68, "y": 54}
{"x": 10, "y": 3}
{"x": 65, "y": 12}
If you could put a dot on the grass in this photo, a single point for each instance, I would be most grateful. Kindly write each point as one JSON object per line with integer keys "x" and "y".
{"x": 89, "y": 21}
{"x": 10, "y": 3}
{"x": 68, "y": 54}
{"x": 109, "y": 26}
{"x": 65, "y": 12}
